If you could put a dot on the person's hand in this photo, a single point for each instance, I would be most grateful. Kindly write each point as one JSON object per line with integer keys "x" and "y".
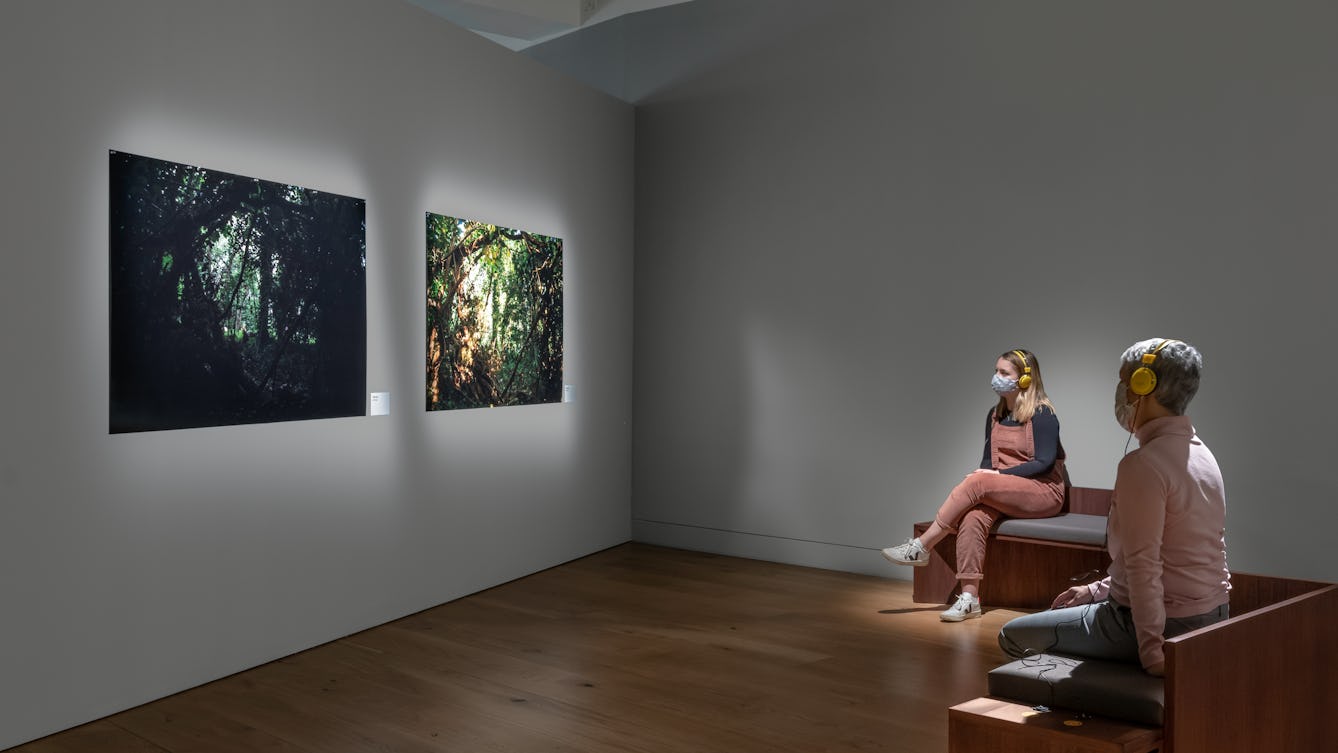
{"x": 1073, "y": 597}
{"x": 1157, "y": 670}
{"x": 984, "y": 470}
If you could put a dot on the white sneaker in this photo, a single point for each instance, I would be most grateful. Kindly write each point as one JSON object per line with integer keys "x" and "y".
{"x": 911, "y": 553}
{"x": 967, "y": 607}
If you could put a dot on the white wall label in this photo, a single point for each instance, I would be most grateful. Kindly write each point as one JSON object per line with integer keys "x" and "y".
{"x": 380, "y": 404}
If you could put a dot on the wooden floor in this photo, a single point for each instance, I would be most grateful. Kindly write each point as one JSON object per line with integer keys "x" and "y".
{"x": 637, "y": 648}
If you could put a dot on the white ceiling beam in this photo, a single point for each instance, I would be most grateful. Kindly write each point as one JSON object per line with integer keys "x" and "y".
{"x": 520, "y": 23}
{"x": 566, "y": 12}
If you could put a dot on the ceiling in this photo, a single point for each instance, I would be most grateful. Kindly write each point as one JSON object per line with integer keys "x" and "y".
{"x": 519, "y": 24}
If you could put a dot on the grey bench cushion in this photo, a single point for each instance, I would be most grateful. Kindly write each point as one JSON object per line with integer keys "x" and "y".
{"x": 1071, "y": 528}
{"x": 1103, "y": 688}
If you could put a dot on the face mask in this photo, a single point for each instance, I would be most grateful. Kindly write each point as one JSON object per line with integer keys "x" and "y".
{"x": 1002, "y": 384}
{"x": 1124, "y": 410}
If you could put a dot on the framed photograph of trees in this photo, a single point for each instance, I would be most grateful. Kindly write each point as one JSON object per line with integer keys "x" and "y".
{"x": 234, "y": 300}
{"x": 494, "y": 315}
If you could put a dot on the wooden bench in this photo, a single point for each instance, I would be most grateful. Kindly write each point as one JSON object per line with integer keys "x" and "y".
{"x": 1027, "y": 562}
{"x": 1264, "y": 680}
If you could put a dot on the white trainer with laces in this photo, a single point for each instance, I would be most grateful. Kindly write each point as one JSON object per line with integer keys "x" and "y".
{"x": 911, "y": 553}
{"x": 967, "y": 607}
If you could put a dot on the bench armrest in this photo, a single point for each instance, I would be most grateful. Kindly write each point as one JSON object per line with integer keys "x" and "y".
{"x": 1265, "y": 680}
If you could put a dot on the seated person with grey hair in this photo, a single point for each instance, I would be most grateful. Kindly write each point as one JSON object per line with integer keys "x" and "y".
{"x": 1166, "y": 531}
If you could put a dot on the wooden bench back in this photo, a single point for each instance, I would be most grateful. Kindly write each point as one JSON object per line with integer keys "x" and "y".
{"x": 1087, "y": 500}
{"x": 1250, "y": 592}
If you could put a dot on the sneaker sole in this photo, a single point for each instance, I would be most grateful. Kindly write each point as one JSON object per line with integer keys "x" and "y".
{"x": 913, "y": 563}
{"x": 959, "y": 618}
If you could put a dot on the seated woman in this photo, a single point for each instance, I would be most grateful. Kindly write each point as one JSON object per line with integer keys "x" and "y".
{"x": 1021, "y": 475}
{"x": 1166, "y": 531}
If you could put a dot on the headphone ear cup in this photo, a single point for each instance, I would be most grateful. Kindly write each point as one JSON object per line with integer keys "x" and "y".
{"x": 1023, "y": 381}
{"x": 1143, "y": 381}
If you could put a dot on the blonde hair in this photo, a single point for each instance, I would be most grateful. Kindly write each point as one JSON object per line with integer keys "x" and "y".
{"x": 1031, "y": 399}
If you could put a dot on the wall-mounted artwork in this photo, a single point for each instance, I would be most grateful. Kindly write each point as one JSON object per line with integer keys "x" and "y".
{"x": 494, "y": 315}
{"x": 233, "y": 300}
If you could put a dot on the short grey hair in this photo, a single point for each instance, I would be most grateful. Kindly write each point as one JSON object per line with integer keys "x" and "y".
{"x": 1177, "y": 367}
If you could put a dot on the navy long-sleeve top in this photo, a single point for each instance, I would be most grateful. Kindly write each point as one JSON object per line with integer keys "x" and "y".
{"x": 1044, "y": 435}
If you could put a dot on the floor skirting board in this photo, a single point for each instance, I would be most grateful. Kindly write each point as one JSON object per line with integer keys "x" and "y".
{"x": 791, "y": 551}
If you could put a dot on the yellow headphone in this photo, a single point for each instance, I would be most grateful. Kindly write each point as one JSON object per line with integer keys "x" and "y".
{"x": 1024, "y": 381}
{"x": 1144, "y": 380}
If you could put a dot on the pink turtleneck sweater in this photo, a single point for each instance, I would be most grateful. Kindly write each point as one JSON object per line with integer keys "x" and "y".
{"x": 1166, "y": 532}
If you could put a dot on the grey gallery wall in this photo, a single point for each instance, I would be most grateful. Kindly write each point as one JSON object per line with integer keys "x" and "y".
{"x": 841, "y": 225}
{"x": 133, "y": 565}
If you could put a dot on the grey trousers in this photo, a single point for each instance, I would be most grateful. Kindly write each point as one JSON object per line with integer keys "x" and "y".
{"x": 1104, "y": 630}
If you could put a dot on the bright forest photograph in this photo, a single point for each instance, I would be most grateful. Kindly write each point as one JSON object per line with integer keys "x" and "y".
{"x": 494, "y": 315}
{"x": 234, "y": 300}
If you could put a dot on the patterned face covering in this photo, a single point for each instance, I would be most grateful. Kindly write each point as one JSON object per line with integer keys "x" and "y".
{"x": 1002, "y": 384}
{"x": 1124, "y": 410}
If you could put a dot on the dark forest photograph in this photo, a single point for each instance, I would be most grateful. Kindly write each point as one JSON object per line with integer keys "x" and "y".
{"x": 494, "y": 315}
{"x": 234, "y": 300}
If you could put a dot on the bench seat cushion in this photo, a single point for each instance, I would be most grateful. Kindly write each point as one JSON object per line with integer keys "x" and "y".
{"x": 1104, "y": 688}
{"x": 1071, "y": 528}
